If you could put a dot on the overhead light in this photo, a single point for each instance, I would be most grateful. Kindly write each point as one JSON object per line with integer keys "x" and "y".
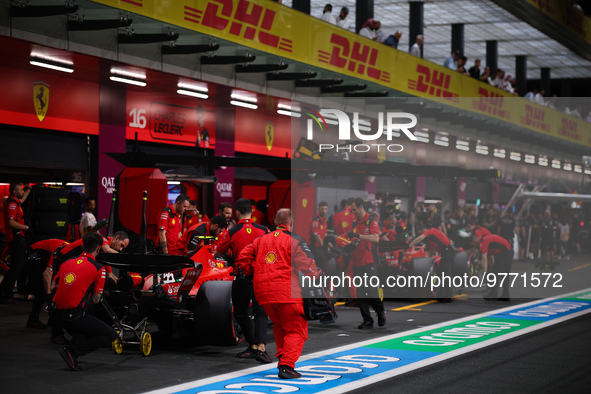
{"x": 543, "y": 161}
{"x": 530, "y": 159}
{"x": 289, "y": 107}
{"x": 51, "y": 62}
{"x": 244, "y": 104}
{"x": 568, "y": 167}
{"x": 432, "y": 202}
{"x": 462, "y": 145}
{"x": 244, "y": 97}
{"x": 289, "y": 113}
{"x": 129, "y": 77}
{"x": 556, "y": 164}
{"x": 460, "y": 142}
{"x": 500, "y": 153}
{"x": 578, "y": 169}
{"x": 515, "y": 156}
{"x": 421, "y": 134}
{"x": 441, "y": 142}
{"x": 192, "y": 90}
{"x": 588, "y": 172}
{"x": 174, "y": 182}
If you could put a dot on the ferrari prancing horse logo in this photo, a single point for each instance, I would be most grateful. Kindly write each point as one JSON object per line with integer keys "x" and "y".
{"x": 41, "y": 99}
{"x": 269, "y": 134}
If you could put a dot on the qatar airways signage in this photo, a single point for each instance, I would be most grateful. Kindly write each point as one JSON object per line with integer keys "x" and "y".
{"x": 389, "y": 124}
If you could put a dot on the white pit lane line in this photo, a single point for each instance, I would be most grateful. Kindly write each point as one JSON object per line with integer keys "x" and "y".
{"x": 402, "y": 369}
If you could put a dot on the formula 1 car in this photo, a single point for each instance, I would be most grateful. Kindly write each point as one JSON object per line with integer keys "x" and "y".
{"x": 415, "y": 261}
{"x": 188, "y": 297}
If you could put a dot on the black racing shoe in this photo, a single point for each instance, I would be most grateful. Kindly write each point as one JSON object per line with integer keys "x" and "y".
{"x": 36, "y": 324}
{"x": 382, "y": 318}
{"x": 59, "y": 340}
{"x": 366, "y": 325}
{"x": 69, "y": 359}
{"x": 248, "y": 353}
{"x": 286, "y": 372}
{"x": 263, "y": 357}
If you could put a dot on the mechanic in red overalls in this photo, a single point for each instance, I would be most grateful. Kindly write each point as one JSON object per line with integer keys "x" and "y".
{"x": 190, "y": 240}
{"x": 343, "y": 223}
{"x": 192, "y": 216}
{"x": 231, "y": 244}
{"x": 275, "y": 259}
{"x": 318, "y": 229}
{"x": 15, "y": 238}
{"x": 440, "y": 243}
{"x": 362, "y": 259}
{"x": 79, "y": 281}
{"x": 500, "y": 248}
{"x": 475, "y": 229}
{"x": 39, "y": 256}
{"x": 169, "y": 224}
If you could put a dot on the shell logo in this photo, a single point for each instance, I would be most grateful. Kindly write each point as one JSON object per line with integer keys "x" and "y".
{"x": 70, "y": 278}
{"x": 271, "y": 257}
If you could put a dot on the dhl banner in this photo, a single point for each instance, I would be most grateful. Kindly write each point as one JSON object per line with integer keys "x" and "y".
{"x": 276, "y": 29}
{"x": 564, "y": 13}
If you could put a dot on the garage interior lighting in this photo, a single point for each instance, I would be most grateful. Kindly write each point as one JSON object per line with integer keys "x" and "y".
{"x": 422, "y": 136}
{"x": 543, "y": 161}
{"x": 482, "y": 149}
{"x": 243, "y": 104}
{"x": 441, "y": 140}
{"x": 289, "y": 113}
{"x": 568, "y": 167}
{"x": 515, "y": 156}
{"x": 588, "y": 172}
{"x": 500, "y": 153}
{"x": 578, "y": 169}
{"x": 128, "y": 77}
{"x": 288, "y": 110}
{"x": 52, "y": 63}
{"x": 192, "y": 90}
{"x": 556, "y": 164}
{"x": 530, "y": 159}
{"x": 463, "y": 145}
{"x": 174, "y": 182}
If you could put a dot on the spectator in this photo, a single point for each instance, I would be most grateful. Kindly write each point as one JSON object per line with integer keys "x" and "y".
{"x": 498, "y": 79}
{"x": 564, "y": 233}
{"x": 474, "y": 72}
{"x": 452, "y": 61}
{"x": 327, "y": 15}
{"x": 461, "y": 65}
{"x": 372, "y": 29}
{"x": 531, "y": 96}
{"x": 539, "y": 97}
{"x": 342, "y": 20}
{"x": 417, "y": 48}
{"x": 393, "y": 39}
{"x": 508, "y": 82}
{"x": 576, "y": 112}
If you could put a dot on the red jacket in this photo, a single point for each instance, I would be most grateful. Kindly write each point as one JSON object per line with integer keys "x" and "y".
{"x": 269, "y": 258}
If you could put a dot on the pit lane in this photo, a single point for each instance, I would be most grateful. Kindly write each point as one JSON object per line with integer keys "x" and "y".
{"x": 554, "y": 356}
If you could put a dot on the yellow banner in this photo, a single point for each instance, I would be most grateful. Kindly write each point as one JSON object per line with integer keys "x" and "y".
{"x": 567, "y": 15}
{"x": 282, "y": 31}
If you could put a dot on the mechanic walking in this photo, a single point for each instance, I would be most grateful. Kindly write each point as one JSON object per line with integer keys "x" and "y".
{"x": 15, "y": 238}
{"x": 362, "y": 259}
{"x": 500, "y": 248}
{"x": 79, "y": 280}
{"x": 276, "y": 259}
{"x": 231, "y": 244}
{"x": 438, "y": 242}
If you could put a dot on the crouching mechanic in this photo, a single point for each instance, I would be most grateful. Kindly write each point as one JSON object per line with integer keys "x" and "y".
{"x": 78, "y": 280}
{"x": 438, "y": 242}
{"x": 276, "y": 259}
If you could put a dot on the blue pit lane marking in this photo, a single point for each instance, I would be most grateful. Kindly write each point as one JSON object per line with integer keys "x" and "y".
{"x": 354, "y": 366}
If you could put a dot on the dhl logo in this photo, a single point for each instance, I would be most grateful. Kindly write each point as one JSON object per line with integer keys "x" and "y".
{"x": 432, "y": 82}
{"x": 248, "y": 20}
{"x": 491, "y": 103}
{"x": 534, "y": 117}
{"x": 568, "y": 129}
{"x": 354, "y": 57}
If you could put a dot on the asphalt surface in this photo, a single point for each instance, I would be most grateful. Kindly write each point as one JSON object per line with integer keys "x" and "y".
{"x": 553, "y": 359}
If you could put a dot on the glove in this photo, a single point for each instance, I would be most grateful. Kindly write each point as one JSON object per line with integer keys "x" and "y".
{"x": 351, "y": 234}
